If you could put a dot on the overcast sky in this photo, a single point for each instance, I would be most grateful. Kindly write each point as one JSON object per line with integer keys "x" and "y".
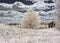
{"x": 27, "y": 2}
{"x": 12, "y": 1}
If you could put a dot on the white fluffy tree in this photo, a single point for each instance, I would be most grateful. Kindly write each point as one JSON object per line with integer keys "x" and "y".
{"x": 30, "y": 19}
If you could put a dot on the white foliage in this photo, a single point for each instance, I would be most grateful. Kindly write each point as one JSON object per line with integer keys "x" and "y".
{"x": 30, "y": 19}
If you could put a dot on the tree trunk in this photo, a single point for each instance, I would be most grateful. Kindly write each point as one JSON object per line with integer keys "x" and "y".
{"x": 57, "y": 13}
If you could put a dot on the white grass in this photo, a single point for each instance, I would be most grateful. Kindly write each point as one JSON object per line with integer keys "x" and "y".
{"x": 10, "y": 34}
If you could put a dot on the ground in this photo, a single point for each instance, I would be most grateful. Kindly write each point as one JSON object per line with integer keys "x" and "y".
{"x": 10, "y": 34}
